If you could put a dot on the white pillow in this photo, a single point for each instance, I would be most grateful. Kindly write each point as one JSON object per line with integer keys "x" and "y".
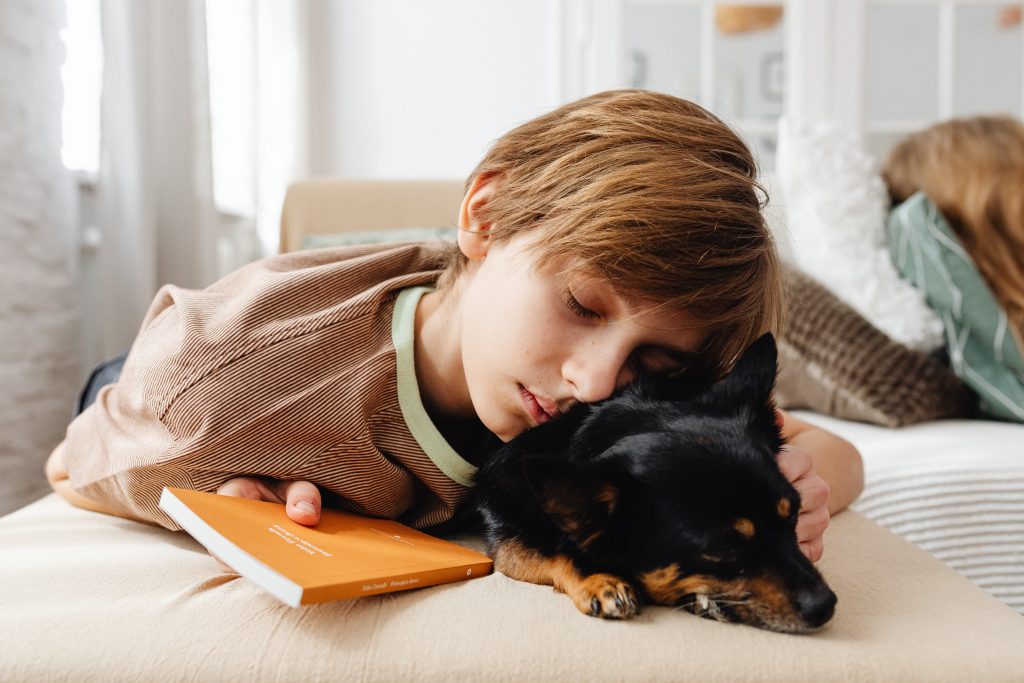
{"x": 835, "y": 205}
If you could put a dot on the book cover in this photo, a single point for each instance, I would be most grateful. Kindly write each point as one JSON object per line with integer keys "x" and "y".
{"x": 345, "y": 556}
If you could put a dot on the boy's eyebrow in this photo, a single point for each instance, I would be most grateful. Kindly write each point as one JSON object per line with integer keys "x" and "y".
{"x": 630, "y": 300}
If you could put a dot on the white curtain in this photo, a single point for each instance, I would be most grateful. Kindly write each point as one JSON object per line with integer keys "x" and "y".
{"x": 154, "y": 193}
{"x": 258, "y": 95}
{"x": 159, "y": 215}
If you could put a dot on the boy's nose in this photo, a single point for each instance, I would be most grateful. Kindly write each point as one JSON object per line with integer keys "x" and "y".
{"x": 596, "y": 381}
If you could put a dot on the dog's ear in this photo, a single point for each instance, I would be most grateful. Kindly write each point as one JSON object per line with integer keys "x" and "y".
{"x": 753, "y": 376}
{"x": 579, "y": 500}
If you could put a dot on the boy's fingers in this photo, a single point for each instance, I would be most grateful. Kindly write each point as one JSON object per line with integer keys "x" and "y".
{"x": 794, "y": 462}
{"x": 302, "y": 497}
{"x": 811, "y": 525}
{"x": 303, "y": 502}
{"x": 796, "y": 465}
{"x": 250, "y": 487}
{"x": 299, "y": 494}
{"x": 814, "y": 492}
{"x": 813, "y": 550}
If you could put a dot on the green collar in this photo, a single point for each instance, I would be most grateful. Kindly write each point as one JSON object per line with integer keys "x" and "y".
{"x": 403, "y": 330}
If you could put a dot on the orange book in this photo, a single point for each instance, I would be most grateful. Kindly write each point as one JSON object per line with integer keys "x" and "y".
{"x": 344, "y": 556}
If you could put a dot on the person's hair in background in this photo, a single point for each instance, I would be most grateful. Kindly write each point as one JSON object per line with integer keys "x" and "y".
{"x": 973, "y": 170}
{"x": 654, "y": 194}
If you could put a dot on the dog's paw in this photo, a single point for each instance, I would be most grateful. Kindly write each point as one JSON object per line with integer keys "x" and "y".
{"x": 608, "y": 597}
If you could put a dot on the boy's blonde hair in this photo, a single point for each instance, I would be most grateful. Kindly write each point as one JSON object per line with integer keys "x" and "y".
{"x": 654, "y": 194}
{"x": 973, "y": 169}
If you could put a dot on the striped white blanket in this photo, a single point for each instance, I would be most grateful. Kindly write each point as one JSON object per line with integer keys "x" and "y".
{"x": 955, "y": 488}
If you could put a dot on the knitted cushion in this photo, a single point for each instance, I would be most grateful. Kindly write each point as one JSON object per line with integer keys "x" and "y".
{"x": 833, "y": 361}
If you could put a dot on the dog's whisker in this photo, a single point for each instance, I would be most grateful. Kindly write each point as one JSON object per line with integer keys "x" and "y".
{"x": 710, "y": 605}
{"x": 731, "y": 602}
{"x": 731, "y": 598}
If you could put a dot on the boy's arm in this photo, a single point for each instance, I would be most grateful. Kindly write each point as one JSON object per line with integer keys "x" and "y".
{"x": 835, "y": 459}
{"x": 296, "y": 494}
{"x": 59, "y": 480}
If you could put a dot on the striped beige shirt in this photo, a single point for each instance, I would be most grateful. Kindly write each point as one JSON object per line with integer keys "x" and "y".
{"x": 299, "y": 366}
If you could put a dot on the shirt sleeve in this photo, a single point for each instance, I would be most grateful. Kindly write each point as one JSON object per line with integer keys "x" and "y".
{"x": 118, "y": 452}
{"x": 251, "y": 376}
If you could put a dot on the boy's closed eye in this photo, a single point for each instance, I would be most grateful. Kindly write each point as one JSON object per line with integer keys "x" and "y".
{"x": 648, "y": 358}
{"x": 576, "y": 307}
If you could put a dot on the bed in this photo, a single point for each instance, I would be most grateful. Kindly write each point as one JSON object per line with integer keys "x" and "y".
{"x": 88, "y": 596}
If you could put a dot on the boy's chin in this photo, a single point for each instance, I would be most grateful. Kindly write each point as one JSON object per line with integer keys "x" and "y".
{"x": 502, "y": 420}
{"x": 506, "y": 429}
{"x": 507, "y": 436}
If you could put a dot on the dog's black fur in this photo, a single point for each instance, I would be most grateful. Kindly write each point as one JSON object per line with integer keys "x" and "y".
{"x": 664, "y": 493}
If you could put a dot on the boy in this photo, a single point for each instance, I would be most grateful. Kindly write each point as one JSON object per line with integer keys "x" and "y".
{"x": 620, "y": 231}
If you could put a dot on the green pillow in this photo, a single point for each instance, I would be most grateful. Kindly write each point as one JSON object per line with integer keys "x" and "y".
{"x": 347, "y": 239}
{"x": 982, "y": 349}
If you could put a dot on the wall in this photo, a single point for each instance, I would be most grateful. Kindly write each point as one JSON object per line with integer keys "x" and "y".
{"x": 39, "y": 356}
{"x": 419, "y": 90}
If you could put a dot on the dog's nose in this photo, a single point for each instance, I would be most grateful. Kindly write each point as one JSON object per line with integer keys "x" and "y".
{"x": 816, "y": 605}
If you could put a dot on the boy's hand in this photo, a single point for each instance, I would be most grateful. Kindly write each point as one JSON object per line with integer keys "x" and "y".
{"x": 302, "y": 498}
{"x": 812, "y": 520}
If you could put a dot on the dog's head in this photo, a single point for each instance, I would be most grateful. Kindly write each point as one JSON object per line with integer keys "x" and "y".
{"x": 680, "y": 490}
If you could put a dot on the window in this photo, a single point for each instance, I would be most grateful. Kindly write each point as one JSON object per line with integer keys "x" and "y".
{"x": 82, "y": 74}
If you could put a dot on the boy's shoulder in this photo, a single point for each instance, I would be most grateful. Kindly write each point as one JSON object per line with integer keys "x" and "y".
{"x": 273, "y": 313}
{"x": 302, "y": 284}
{"x": 373, "y": 262}
{"x": 316, "y": 282}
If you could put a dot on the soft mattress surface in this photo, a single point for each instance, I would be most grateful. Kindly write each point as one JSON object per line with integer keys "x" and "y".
{"x": 84, "y": 596}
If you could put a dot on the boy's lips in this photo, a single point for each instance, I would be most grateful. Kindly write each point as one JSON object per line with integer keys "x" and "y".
{"x": 540, "y": 410}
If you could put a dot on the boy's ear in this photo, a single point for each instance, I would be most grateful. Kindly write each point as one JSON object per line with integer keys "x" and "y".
{"x": 578, "y": 501}
{"x": 474, "y": 231}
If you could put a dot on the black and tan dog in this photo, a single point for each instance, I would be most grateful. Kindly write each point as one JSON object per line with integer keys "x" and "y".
{"x": 664, "y": 494}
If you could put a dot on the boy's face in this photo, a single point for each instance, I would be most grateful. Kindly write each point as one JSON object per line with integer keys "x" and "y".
{"x": 535, "y": 341}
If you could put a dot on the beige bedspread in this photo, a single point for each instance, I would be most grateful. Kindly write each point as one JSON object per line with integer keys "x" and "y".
{"x": 84, "y": 596}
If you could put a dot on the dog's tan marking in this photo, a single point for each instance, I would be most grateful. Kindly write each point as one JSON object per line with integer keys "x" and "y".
{"x": 744, "y": 526}
{"x": 769, "y": 595}
{"x": 601, "y": 595}
{"x": 566, "y": 515}
{"x": 660, "y": 583}
{"x": 765, "y": 603}
{"x": 666, "y": 587}
{"x": 516, "y": 562}
{"x": 579, "y": 512}
{"x": 585, "y": 543}
{"x": 783, "y": 508}
{"x": 569, "y": 520}
{"x": 608, "y": 495}
{"x": 755, "y": 599}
